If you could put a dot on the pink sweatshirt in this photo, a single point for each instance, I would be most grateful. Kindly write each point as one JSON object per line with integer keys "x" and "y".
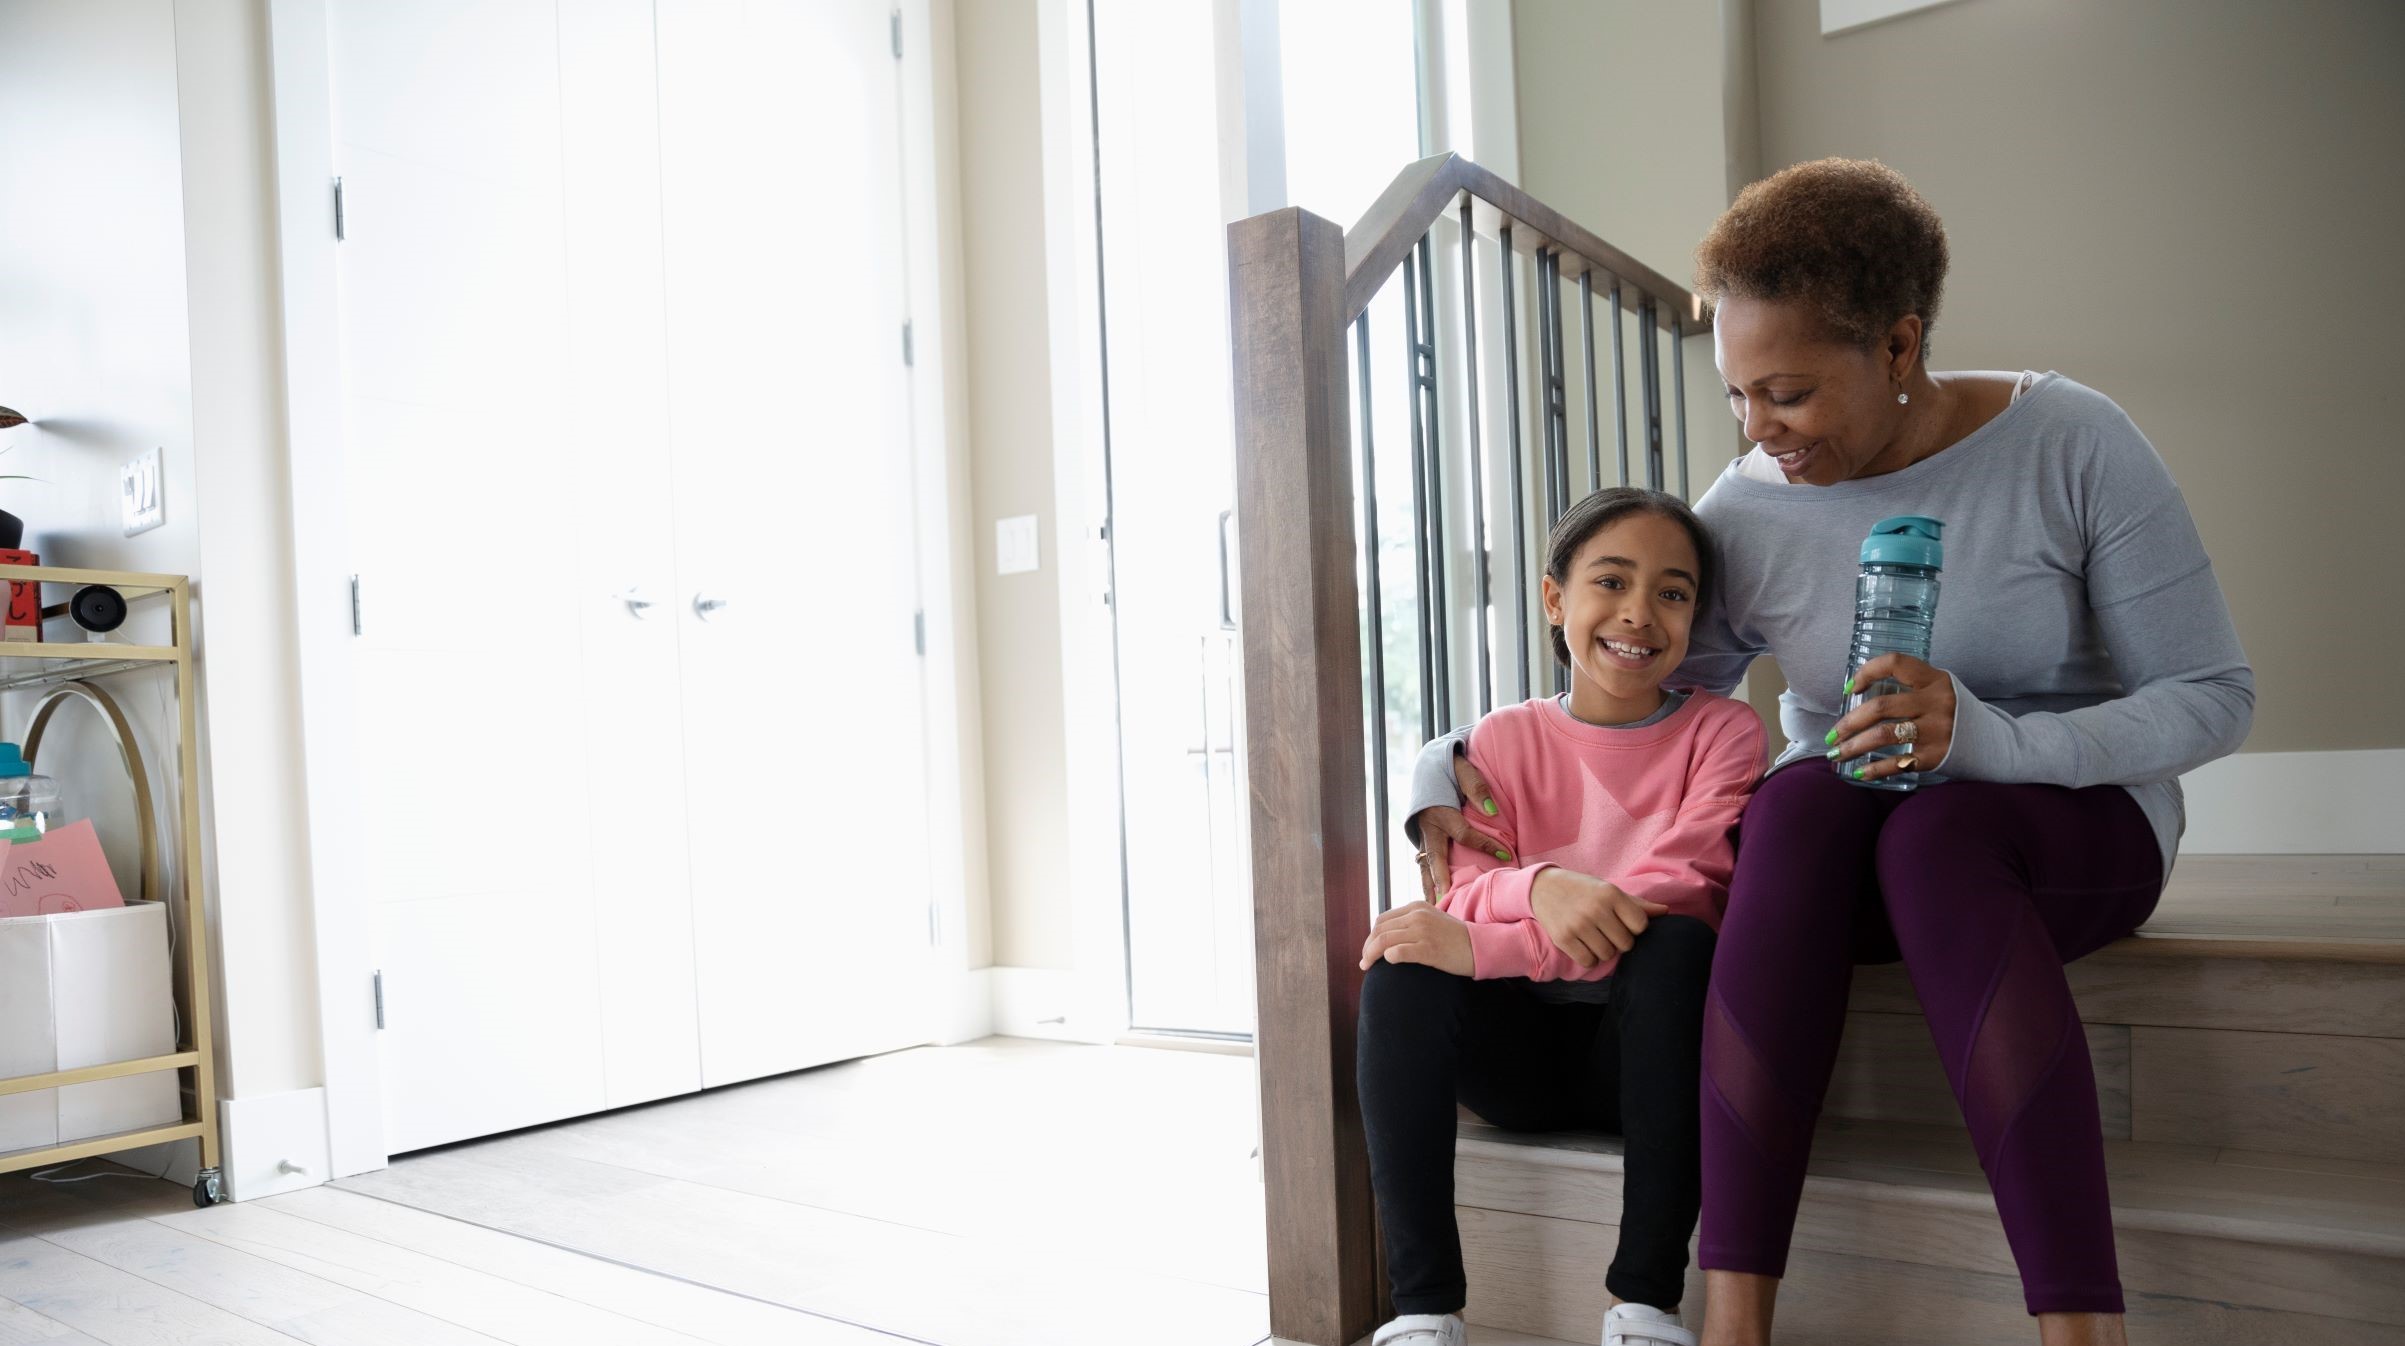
{"x": 1650, "y": 810}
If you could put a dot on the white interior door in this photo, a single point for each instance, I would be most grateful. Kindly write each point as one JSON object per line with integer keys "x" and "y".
{"x": 622, "y": 482}
{"x": 470, "y": 732}
{"x": 781, "y": 163}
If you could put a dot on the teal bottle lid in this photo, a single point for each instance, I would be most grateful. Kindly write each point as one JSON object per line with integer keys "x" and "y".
{"x": 12, "y": 761}
{"x": 1907, "y": 539}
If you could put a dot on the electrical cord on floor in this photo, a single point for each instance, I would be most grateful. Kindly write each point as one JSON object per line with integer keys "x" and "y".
{"x": 44, "y": 1175}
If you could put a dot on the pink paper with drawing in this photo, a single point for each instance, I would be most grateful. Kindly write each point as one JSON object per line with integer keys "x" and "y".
{"x": 64, "y": 871}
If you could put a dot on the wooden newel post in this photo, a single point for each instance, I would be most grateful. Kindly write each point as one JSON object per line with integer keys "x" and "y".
{"x": 1301, "y": 648}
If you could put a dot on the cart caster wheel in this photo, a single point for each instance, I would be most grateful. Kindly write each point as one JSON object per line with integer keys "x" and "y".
{"x": 209, "y": 1190}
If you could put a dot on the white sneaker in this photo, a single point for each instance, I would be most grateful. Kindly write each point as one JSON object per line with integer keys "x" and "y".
{"x": 1427, "y": 1329}
{"x": 1643, "y": 1325}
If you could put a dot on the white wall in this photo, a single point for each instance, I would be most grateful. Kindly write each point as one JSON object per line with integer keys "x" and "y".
{"x": 92, "y": 341}
{"x": 137, "y": 253}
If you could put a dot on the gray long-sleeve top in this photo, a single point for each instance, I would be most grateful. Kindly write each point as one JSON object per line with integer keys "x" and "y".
{"x": 2088, "y": 640}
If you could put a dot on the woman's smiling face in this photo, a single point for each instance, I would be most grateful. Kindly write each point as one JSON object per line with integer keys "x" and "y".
{"x": 1824, "y": 410}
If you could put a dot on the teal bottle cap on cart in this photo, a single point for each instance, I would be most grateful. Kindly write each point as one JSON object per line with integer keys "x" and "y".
{"x": 1907, "y": 539}
{"x": 12, "y": 761}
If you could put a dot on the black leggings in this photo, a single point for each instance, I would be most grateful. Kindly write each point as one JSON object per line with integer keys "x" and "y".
{"x": 1429, "y": 1039}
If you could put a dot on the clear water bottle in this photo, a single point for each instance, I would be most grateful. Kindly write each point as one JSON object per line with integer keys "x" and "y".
{"x": 29, "y": 804}
{"x": 1895, "y": 605}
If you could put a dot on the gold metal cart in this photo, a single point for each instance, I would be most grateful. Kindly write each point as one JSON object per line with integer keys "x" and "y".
{"x": 70, "y": 670}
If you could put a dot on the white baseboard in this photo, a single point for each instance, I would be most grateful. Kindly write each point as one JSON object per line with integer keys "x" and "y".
{"x": 1042, "y": 1002}
{"x": 2298, "y": 803}
{"x": 967, "y": 1013}
{"x": 267, "y": 1131}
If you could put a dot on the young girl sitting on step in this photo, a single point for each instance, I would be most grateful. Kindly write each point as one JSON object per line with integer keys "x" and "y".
{"x": 1560, "y": 982}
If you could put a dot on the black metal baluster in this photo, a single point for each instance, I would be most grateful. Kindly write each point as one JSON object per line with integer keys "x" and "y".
{"x": 1425, "y": 403}
{"x": 1483, "y": 612}
{"x": 1557, "y": 391}
{"x": 1536, "y": 295}
{"x": 1518, "y": 625}
{"x": 1419, "y": 497}
{"x": 1678, "y": 396}
{"x": 1649, "y": 366}
{"x": 1619, "y": 381}
{"x": 1586, "y": 346}
{"x": 1557, "y": 411}
{"x": 1377, "y": 625}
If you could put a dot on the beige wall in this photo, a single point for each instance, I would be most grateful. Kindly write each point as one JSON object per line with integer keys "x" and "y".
{"x": 2191, "y": 205}
{"x": 1011, "y": 448}
{"x": 1624, "y": 127}
{"x": 1621, "y": 121}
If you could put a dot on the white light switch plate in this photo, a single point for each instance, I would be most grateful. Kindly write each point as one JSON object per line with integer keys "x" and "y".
{"x": 1015, "y": 545}
{"x": 143, "y": 487}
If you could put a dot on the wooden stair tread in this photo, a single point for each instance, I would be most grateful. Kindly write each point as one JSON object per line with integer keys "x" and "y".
{"x": 2348, "y": 908}
{"x": 2340, "y": 1205}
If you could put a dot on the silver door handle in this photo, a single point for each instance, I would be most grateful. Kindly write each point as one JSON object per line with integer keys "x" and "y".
{"x": 703, "y": 606}
{"x": 637, "y": 606}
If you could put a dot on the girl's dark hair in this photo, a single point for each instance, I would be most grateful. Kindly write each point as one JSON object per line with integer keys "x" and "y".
{"x": 1605, "y": 508}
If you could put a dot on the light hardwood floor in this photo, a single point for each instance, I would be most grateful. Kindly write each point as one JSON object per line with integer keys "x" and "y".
{"x": 992, "y": 1194}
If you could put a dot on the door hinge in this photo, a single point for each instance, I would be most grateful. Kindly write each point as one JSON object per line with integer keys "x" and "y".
{"x": 909, "y": 346}
{"x": 355, "y": 622}
{"x": 338, "y": 211}
{"x": 379, "y": 998}
{"x": 918, "y": 631}
{"x": 897, "y": 16}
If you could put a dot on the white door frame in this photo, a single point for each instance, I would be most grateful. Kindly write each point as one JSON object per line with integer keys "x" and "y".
{"x": 300, "y": 63}
{"x": 1081, "y": 503}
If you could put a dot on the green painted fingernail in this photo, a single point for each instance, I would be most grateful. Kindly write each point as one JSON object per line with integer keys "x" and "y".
{"x": 1504, "y": 856}
{"x": 1859, "y": 770}
{"x": 1831, "y": 740}
{"x": 1833, "y": 754}
{"x": 1488, "y": 805}
{"x": 1849, "y": 686}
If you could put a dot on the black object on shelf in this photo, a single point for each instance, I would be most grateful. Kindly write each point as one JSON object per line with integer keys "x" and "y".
{"x": 97, "y": 608}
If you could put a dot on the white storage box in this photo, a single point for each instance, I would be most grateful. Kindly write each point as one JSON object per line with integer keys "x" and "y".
{"x": 85, "y": 988}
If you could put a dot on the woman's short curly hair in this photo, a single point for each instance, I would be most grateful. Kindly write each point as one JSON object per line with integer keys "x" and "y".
{"x": 1847, "y": 238}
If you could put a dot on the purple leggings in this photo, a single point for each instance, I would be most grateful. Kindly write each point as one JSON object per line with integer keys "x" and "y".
{"x": 1984, "y": 891}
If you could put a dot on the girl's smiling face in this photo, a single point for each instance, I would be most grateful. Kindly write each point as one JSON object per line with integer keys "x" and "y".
{"x": 1625, "y": 610}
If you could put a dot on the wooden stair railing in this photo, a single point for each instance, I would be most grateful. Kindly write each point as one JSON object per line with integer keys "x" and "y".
{"x": 1318, "y": 824}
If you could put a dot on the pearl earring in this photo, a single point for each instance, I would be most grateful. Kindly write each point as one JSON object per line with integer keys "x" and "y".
{"x": 1903, "y": 397}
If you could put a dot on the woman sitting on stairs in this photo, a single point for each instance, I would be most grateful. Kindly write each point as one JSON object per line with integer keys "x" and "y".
{"x": 2083, "y": 659}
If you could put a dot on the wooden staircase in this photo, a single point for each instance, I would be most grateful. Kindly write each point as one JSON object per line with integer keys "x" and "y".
{"x": 2250, "y": 1057}
{"x": 2250, "y": 1044}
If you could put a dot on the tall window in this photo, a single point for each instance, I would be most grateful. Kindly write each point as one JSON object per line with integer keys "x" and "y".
{"x": 1206, "y": 113}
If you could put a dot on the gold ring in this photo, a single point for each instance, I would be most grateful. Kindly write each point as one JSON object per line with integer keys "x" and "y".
{"x": 1906, "y": 731}
{"x": 1908, "y": 762}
